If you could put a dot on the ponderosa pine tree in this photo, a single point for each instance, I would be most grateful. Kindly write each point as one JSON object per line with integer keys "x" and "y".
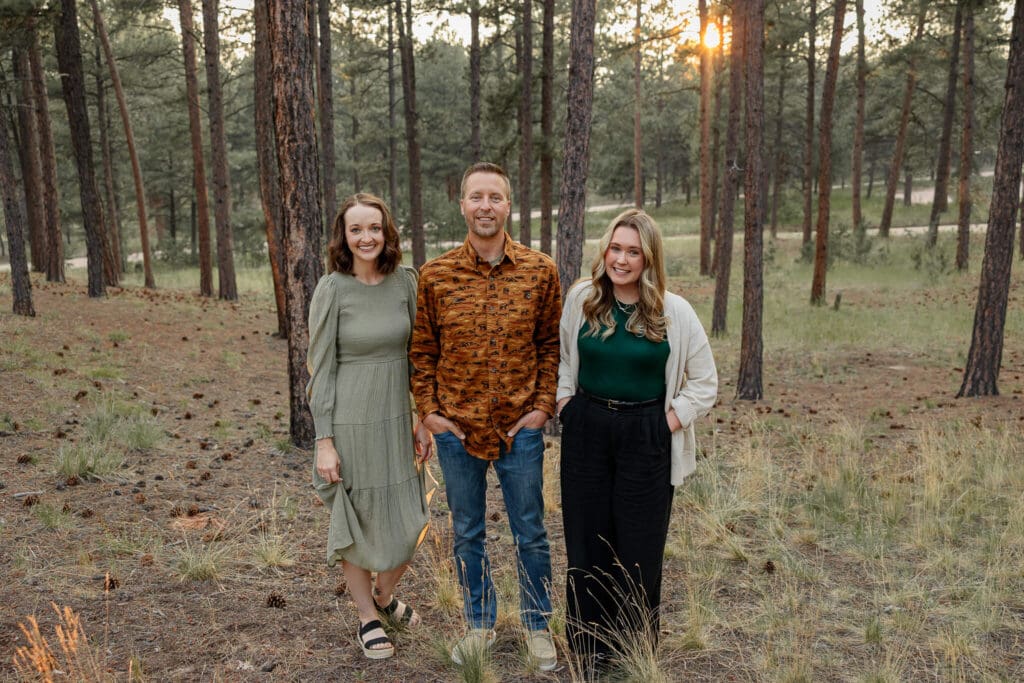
{"x": 412, "y": 140}
{"x": 299, "y": 177}
{"x": 266, "y": 156}
{"x": 576, "y": 153}
{"x": 940, "y": 199}
{"x": 981, "y": 373}
{"x": 28, "y": 155}
{"x": 828, "y": 98}
{"x": 547, "y": 123}
{"x": 706, "y": 183}
{"x": 638, "y": 138}
{"x": 731, "y": 175}
{"x": 21, "y": 285}
{"x": 227, "y": 287}
{"x": 202, "y": 202}
{"x": 857, "y": 169}
{"x": 72, "y": 78}
{"x": 749, "y": 385}
{"x": 892, "y": 179}
{"x": 326, "y": 98}
{"x": 129, "y": 135}
{"x": 525, "y": 115}
{"x": 963, "y": 193}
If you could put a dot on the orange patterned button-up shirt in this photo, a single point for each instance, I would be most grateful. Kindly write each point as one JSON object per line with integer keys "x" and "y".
{"x": 485, "y": 344}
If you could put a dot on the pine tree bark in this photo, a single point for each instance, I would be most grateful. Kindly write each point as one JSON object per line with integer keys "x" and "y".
{"x": 299, "y": 177}
{"x": 31, "y": 166}
{"x": 202, "y": 204}
{"x": 731, "y": 176}
{"x": 526, "y": 123}
{"x": 392, "y": 106}
{"x": 226, "y": 286}
{"x": 778, "y": 172}
{"x": 858, "y": 124}
{"x": 706, "y": 206}
{"x": 981, "y": 374}
{"x": 828, "y": 98}
{"x": 547, "y": 124}
{"x": 719, "y": 70}
{"x": 47, "y": 158}
{"x": 129, "y": 135}
{"x": 638, "y": 140}
{"x": 892, "y": 179}
{"x": 266, "y": 157}
{"x": 940, "y": 200}
{"x": 749, "y": 385}
{"x": 326, "y": 96}
{"x": 72, "y": 78}
{"x": 412, "y": 141}
{"x": 576, "y": 151}
{"x": 110, "y": 211}
{"x": 809, "y": 125}
{"x": 963, "y": 194}
{"x": 21, "y": 285}
{"x": 474, "y": 80}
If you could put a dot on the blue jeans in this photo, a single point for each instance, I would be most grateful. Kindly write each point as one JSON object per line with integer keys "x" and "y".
{"x": 521, "y": 475}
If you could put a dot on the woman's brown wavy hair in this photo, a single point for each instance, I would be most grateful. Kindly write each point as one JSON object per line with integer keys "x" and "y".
{"x": 339, "y": 256}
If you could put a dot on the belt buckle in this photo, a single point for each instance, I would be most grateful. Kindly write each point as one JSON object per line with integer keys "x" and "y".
{"x": 611, "y": 403}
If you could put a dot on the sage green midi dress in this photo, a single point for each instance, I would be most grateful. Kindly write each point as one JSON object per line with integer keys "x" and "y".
{"x": 359, "y": 394}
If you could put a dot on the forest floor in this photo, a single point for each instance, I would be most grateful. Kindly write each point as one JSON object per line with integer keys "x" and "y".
{"x": 200, "y": 557}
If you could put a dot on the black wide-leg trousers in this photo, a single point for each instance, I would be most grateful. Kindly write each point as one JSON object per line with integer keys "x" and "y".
{"x": 616, "y": 502}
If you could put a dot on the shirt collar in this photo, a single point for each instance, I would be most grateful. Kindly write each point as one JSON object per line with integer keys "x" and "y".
{"x": 473, "y": 259}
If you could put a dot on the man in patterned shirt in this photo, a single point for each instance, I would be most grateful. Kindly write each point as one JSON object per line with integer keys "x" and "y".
{"x": 485, "y": 368}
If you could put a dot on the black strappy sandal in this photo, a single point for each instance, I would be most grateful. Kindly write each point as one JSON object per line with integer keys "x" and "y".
{"x": 368, "y": 645}
{"x": 399, "y": 613}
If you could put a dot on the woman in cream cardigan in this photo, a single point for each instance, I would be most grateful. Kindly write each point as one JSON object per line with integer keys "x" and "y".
{"x": 636, "y": 372}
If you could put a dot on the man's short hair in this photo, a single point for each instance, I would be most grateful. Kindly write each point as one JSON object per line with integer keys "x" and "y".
{"x": 486, "y": 167}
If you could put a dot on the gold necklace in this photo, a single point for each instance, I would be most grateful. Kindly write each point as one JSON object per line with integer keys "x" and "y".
{"x": 627, "y": 309}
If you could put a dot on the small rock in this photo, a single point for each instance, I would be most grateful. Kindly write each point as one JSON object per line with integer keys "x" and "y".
{"x": 268, "y": 666}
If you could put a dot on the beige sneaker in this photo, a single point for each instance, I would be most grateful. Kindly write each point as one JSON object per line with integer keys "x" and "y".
{"x": 475, "y": 643}
{"x": 542, "y": 649}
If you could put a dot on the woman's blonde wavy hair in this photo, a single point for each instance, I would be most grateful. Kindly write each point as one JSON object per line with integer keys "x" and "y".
{"x": 648, "y": 320}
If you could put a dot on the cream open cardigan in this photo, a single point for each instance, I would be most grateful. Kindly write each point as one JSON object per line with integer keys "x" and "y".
{"x": 690, "y": 376}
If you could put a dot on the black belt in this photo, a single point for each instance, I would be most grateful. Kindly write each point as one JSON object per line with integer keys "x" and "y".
{"x": 614, "y": 404}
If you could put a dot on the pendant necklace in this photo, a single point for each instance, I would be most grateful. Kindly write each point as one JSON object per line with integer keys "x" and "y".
{"x": 627, "y": 309}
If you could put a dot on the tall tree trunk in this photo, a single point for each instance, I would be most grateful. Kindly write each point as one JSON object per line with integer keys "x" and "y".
{"x": 858, "y": 123}
{"x": 47, "y": 159}
{"x": 718, "y": 68}
{"x": 526, "y": 122}
{"x": 392, "y": 105}
{"x": 129, "y": 135}
{"x": 809, "y": 125}
{"x": 778, "y": 170}
{"x": 940, "y": 200}
{"x": 474, "y": 80}
{"x": 266, "y": 158}
{"x": 706, "y": 221}
{"x": 547, "y": 125}
{"x": 353, "y": 91}
{"x": 730, "y": 175}
{"x": 981, "y": 373}
{"x": 21, "y": 285}
{"x": 226, "y": 286}
{"x": 188, "y": 47}
{"x": 892, "y": 179}
{"x": 72, "y": 78}
{"x": 572, "y": 195}
{"x": 749, "y": 385}
{"x": 963, "y": 241}
{"x": 31, "y": 165}
{"x": 412, "y": 141}
{"x": 103, "y": 123}
{"x": 299, "y": 182}
{"x": 638, "y": 140}
{"x": 326, "y": 94}
{"x": 828, "y": 98}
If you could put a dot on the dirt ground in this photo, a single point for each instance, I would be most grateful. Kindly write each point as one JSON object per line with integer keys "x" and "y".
{"x": 213, "y": 374}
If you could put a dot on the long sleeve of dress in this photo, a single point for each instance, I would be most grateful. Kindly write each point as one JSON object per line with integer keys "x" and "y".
{"x": 322, "y": 359}
{"x": 697, "y": 395}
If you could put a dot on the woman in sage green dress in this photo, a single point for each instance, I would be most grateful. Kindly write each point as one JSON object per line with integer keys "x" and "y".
{"x": 365, "y": 470}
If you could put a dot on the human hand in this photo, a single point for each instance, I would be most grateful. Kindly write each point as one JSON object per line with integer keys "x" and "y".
{"x": 424, "y": 443}
{"x": 328, "y": 463}
{"x": 535, "y": 419}
{"x": 673, "y": 420}
{"x": 561, "y": 404}
{"x": 437, "y": 424}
